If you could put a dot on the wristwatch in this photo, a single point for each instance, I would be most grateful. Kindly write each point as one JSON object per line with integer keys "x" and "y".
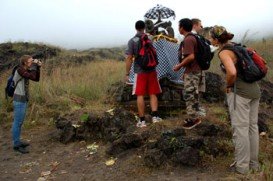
{"x": 229, "y": 89}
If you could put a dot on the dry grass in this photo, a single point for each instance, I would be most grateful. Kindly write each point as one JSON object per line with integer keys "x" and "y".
{"x": 67, "y": 88}
{"x": 89, "y": 81}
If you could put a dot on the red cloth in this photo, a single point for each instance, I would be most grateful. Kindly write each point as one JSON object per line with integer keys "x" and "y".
{"x": 146, "y": 83}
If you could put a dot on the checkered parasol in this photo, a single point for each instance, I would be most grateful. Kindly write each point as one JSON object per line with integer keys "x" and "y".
{"x": 159, "y": 11}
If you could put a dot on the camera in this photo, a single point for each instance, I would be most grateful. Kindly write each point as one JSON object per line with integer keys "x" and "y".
{"x": 36, "y": 61}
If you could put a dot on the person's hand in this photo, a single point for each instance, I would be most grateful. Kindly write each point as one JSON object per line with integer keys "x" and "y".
{"x": 39, "y": 63}
{"x": 176, "y": 67}
{"x": 126, "y": 78}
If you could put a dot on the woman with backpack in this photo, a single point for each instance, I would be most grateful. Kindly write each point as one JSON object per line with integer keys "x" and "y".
{"x": 29, "y": 69}
{"x": 243, "y": 103}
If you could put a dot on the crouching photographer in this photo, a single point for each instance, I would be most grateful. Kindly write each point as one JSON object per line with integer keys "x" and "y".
{"x": 29, "y": 69}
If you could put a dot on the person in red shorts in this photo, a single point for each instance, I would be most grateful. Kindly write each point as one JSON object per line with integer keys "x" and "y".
{"x": 145, "y": 82}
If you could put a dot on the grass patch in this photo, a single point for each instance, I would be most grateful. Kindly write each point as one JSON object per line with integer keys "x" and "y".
{"x": 67, "y": 88}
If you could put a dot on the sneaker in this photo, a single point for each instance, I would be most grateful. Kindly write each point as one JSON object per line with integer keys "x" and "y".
{"x": 141, "y": 124}
{"x": 232, "y": 168}
{"x": 233, "y": 164}
{"x": 201, "y": 112}
{"x": 156, "y": 119}
{"x": 20, "y": 149}
{"x": 191, "y": 123}
{"x": 187, "y": 120}
{"x": 24, "y": 144}
{"x": 202, "y": 109}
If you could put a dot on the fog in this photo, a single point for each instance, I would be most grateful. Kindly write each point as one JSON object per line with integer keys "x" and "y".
{"x": 82, "y": 24}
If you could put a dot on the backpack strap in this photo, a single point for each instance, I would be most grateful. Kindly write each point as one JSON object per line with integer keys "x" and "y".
{"x": 190, "y": 34}
{"x": 234, "y": 47}
{"x": 139, "y": 44}
{"x": 181, "y": 45}
{"x": 227, "y": 47}
{"x": 17, "y": 82}
{"x": 196, "y": 36}
{"x": 231, "y": 47}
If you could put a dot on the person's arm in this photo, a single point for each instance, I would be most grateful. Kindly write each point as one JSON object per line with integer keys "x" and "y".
{"x": 231, "y": 72}
{"x": 185, "y": 62}
{"x": 128, "y": 61}
{"x": 32, "y": 75}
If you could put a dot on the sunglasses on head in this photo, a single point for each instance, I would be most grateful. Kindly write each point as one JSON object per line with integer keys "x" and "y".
{"x": 217, "y": 33}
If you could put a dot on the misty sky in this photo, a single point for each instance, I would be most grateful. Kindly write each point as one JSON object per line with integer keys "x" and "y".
{"x": 83, "y": 24}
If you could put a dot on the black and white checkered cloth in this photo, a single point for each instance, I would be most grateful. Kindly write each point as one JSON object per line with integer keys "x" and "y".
{"x": 164, "y": 12}
{"x": 167, "y": 53}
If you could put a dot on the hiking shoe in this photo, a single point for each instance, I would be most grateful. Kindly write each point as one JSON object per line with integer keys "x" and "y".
{"x": 20, "y": 149}
{"x": 233, "y": 164}
{"x": 201, "y": 112}
{"x": 232, "y": 168}
{"x": 141, "y": 124}
{"x": 24, "y": 144}
{"x": 191, "y": 123}
{"x": 156, "y": 119}
{"x": 202, "y": 109}
{"x": 187, "y": 120}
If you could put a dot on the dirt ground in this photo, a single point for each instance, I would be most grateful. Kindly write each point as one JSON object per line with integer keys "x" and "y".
{"x": 51, "y": 160}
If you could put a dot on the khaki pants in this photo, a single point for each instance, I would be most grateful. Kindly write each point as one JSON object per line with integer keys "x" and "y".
{"x": 191, "y": 93}
{"x": 244, "y": 119}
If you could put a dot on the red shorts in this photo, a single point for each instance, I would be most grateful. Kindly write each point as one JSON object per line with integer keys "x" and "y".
{"x": 146, "y": 83}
